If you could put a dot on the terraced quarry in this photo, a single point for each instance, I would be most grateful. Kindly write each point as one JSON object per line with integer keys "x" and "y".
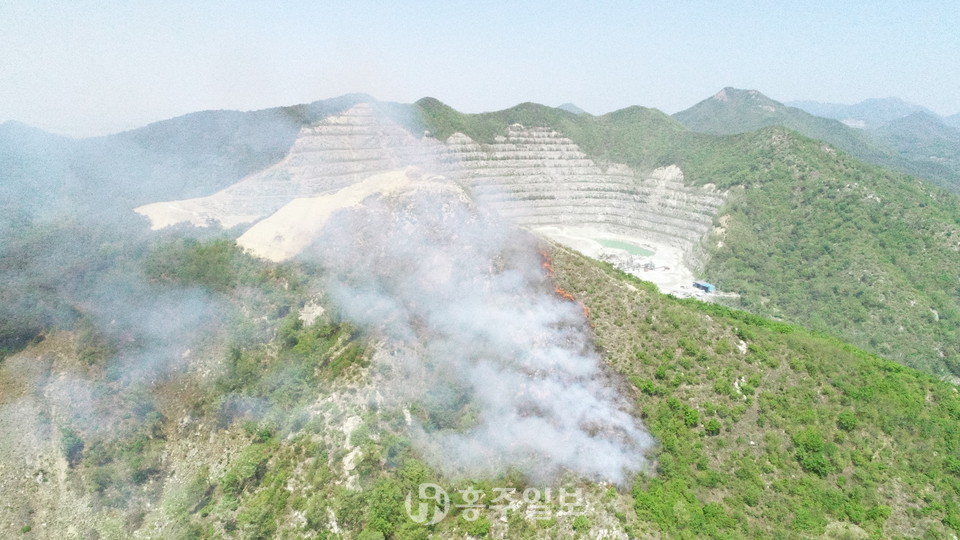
{"x": 534, "y": 176}
{"x": 538, "y": 177}
{"x": 543, "y": 181}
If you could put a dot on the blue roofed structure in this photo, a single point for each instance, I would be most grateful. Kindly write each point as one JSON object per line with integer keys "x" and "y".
{"x": 704, "y": 286}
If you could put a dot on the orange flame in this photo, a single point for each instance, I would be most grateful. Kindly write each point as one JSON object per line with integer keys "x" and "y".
{"x": 564, "y": 294}
{"x": 547, "y": 264}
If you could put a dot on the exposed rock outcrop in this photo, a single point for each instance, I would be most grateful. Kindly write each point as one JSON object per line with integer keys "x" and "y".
{"x": 291, "y": 229}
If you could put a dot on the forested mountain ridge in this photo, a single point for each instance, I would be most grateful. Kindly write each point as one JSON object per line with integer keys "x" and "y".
{"x": 733, "y": 111}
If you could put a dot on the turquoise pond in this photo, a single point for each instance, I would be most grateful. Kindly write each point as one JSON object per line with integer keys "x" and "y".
{"x": 632, "y": 249}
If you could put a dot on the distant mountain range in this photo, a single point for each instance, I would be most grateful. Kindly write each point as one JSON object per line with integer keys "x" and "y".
{"x": 570, "y": 107}
{"x": 953, "y": 121}
{"x": 186, "y": 156}
{"x": 869, "y": 114}
{"x": 894, "y": 133}
{"x": 732, "y": 111}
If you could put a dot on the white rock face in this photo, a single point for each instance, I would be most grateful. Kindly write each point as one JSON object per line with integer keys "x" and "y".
{"x": 339, "y": 151}
{"x": 292, "y": 228}
{"x": 311, "y": 312}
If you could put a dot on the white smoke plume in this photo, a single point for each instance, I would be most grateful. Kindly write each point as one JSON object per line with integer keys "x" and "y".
{"x": 498, "y": 370}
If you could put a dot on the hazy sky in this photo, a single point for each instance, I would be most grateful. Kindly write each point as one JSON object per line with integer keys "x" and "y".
{"x": 84, "y": 67}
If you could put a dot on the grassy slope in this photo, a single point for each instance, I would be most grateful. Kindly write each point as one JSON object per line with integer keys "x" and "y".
{"x": 823, "y": 239}
{"x": 808, "y": 431}
{"x": 795, "y": 434}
